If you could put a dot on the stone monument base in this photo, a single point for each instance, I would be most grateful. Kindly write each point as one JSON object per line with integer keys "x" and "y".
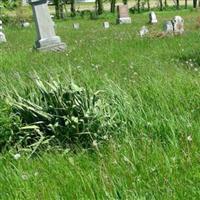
{"x": 50, "y": 44}
{"x": 124, "y": 20}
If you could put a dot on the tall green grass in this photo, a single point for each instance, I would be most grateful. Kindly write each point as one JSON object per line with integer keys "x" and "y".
{"x": 155, "y": 85}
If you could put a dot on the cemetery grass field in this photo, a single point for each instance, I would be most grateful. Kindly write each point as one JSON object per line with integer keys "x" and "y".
{"x": 158, "y": 81}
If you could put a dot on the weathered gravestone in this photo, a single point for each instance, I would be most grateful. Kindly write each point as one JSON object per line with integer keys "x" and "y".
{"x": 2, "y": 35}
{"x": 143, "y": 31}
{"x": 176, "y": 26}
{"x": 24, "y": 3}
{"x": 168, "y": 27}
{"x": 1, "y": 25}
{"x": 106, "y": 25}
{"x": 152, "y": 18}
{"x": 24, "y": 24}
{"x": 76, "y": 26}
{"x": 46, "y": 37}
{"x": 123, "y": 18}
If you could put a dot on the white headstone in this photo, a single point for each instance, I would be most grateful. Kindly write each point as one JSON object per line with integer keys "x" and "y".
{"x": 1, "y": 25}
{"x": 25, "y": 24}
{"x": 46, "y": 37}
{"x": 168, "y": 27}
{"x": 2, "y": 37}
{"x": 143, "y": 31}
{"x": 178, "y": 24}
{"x": 24, "y": 3}
{"x": 152, "y": 18}
{"x": 76, "y": 26}
{"x": 106, "y": 25}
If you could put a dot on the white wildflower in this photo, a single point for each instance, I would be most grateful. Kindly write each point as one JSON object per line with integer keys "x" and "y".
{"x": 24, "y": 177}
{"x": 94, "y": 144}
{"x": 189, "y": 138}
{"x": 17, "y": 156}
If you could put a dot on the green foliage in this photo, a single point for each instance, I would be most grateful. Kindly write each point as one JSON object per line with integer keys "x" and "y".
{"x": 54, "y": 114}
{"x": 156, "y": 154}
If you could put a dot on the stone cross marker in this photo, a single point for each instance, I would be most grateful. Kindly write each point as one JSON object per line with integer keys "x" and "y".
{"x": 46, "y": 37}
{"x": 123, "y": 17}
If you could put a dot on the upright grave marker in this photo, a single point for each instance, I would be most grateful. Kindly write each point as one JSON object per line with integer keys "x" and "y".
{"x": 46, "y": 37}
{"x": 123, "y": 18}
{"x": 152, "y": 18}
{"x": 76, "y": 26}
{"x": 106, "y": 25}
{"x": 2, "y": 35}
{"x": 175, "y": 26}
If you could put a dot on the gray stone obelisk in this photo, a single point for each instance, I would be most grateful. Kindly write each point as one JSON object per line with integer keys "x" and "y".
{"x": 47, "y": 40}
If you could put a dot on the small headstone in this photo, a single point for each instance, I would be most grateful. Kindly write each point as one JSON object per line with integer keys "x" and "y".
{"x": 1, "y": 25}
{"x": 152, "y": 18}
{"x": 178, "y": 24}
{"x": 143, "y": 31}
{"x": 2, "y": 37}
{"x": 123, "y": 18}
{"x": 46, "y": 37}
{"x": 24, "y": 24}
{"x": 24, "y": 3}
{"x": 106, "y": 25}
{"x": 168, "y": 27}
{"x": 76, "y": 26}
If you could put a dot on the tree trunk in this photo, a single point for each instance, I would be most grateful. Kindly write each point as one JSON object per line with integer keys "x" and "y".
{"x": 185, "y": 4}
{"x": 177, "y": 4}
{"x": 125, "y": 2}
{"x": 99, "y": 6}
{"x": 112, "y": 6}
{"x": 194, "y": 3}
{"x": 57, "y": 9}
{"x": 73, "y": 11}
{"x": 161, "y": 5}
{"x": 148, "y": 5}
{"x": 61, "y": 11}
{"x": 165, "y": 2}
{"x": 138, "y": 6}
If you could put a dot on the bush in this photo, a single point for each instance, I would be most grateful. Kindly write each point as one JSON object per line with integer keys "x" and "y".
{"x": 66, "y": 116}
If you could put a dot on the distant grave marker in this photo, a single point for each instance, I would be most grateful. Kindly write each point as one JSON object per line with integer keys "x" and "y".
{"x": 152, "y": 18}
{"x": 76, "y": 26}
{"x": 168, "y": 27}
{"x": 24, "y": 24}
{"x": 176, "y": 26}
{"x": 2, "y": 35}
{"x": 46, "y": 37}
{"x": 24, "y": 3}
{"x": 123, "y": 18}
{"x": 106, "y": 25}
{"x": 1, "y": 25}
{"x": 143, "y": 31}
